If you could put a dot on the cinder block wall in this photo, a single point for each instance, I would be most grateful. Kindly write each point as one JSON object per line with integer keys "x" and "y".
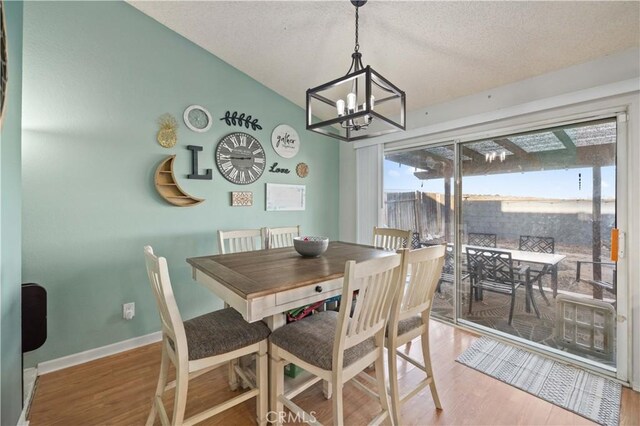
{"x": 570, "y": 224}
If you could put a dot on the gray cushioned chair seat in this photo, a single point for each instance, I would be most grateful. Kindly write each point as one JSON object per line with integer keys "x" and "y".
{"x": 311, "y": 339}
{"x": 221, "y": 332}
{"x": 407, "y": 324}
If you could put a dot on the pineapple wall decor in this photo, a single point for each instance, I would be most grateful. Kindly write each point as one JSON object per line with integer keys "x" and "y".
{"x": 167, "y": 134}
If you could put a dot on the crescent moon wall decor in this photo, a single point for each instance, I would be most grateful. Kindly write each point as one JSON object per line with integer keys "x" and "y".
{"x": 168, "y": 187}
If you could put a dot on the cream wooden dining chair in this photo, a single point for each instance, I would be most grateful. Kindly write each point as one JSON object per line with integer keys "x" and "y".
{"x": 282, "y": 237}
{"x": 199, "y": 345}
{"x": 241, "y": 240}
{"x": 237, "y": 241}
{"x": 409, "y": 319}
{"x": 391, "y": 238}
{"x": 335, "y": 347}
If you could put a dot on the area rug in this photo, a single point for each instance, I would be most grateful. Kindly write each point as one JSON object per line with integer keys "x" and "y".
{"x": 574, "y": 389}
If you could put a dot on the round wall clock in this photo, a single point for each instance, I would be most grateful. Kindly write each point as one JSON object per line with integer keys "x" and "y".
{"x": 197, "y": 118}
{"x": 240, "y": 158}
{"x": 285, "y": 141}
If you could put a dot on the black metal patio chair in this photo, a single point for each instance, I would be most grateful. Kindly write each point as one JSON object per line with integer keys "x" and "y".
{"x": 539, "y": 245}
{"x": 481, "y": 239}
{"x": 493, "y": 270}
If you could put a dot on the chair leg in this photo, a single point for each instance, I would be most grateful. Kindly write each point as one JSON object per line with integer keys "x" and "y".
{"x": 382, "y": 386}
{"x": 544, "y": 296}
{"x": 233, "y": 376}
{"x": 392, "y": 361}
{"x": 338, "y": 412}
{"x": 276, "y": 386}
{"x": 182, "y": 386}
{"x": 470, "y": 297}
{"x": 262, "y": 378}
{"x": 162, "y": 382}
{"x": 513, "y": 305}
{"x": 533, "y": 301}
{"x": 426, "y": 356}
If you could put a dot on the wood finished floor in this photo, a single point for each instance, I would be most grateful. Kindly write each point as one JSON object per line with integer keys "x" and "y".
{"x": 117, "y": 390}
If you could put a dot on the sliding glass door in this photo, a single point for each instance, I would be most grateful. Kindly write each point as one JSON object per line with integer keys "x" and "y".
{"x": 418, "y": 195}
{"x": 536, "y": 215}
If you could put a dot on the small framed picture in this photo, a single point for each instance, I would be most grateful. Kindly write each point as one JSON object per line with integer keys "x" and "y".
{"x": 285, "y": 197}
{"x": 241, "y": 198}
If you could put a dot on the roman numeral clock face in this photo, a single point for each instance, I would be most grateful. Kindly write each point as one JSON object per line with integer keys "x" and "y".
{"x": 240, "y": 158}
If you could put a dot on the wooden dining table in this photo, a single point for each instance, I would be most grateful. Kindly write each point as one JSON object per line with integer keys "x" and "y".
{"x": 264, "y": 284}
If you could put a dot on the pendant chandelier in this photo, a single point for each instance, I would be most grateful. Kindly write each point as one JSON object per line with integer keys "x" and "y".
{"x": 362, "y": 104}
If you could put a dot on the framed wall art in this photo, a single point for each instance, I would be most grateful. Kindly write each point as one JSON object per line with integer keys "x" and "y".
{"x": 241, "y": 198}
{"x": 285, "y": 197}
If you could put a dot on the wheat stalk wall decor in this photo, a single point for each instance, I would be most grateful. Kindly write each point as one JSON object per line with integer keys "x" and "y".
{"x": 241, "y": 120}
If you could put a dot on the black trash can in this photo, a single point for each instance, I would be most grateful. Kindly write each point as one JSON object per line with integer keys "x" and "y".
{"x": 34, "y": 316}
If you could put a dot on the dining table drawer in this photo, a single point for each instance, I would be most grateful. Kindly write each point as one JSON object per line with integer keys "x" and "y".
{"x": 323, "y": 290}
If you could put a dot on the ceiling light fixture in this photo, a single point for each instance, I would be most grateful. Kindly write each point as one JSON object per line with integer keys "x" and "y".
{"x": 344, "y": 108}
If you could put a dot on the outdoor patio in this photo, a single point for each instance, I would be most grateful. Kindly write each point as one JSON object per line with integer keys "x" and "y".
{"x": 493, "y": 310}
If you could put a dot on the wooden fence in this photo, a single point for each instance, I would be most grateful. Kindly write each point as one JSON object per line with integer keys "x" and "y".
{"x": 422, "y": 212}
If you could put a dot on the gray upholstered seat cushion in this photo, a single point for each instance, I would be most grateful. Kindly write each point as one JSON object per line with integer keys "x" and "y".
{"x": 408, "y": 324}
{"x": 311, "y": 339}
{"x": 220, "y": 332}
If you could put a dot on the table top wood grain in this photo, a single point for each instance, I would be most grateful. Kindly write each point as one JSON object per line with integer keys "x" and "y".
{"x": 263, "y": 272}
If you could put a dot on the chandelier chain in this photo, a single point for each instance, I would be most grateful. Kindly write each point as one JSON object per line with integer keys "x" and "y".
{"x": 357, "y": 47}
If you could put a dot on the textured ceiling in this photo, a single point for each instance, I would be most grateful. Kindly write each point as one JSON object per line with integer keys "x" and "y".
{"x": 435, "y": 51}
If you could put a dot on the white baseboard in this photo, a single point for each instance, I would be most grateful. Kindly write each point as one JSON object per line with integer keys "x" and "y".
{"x": 97, "y": 353}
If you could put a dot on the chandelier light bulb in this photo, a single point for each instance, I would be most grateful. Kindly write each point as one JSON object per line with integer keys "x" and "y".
{"x": 351, "y": 102}
{"x": 373, "y": 101}
{"x": 340, "y": 107}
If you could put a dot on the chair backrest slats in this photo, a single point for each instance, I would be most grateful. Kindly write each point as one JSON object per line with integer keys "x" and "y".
{"x": 487, "y": 264}
{"x": 537, "y": 244}
{"x": 172, "y": 325}
{"x": 240, "y": 240}
{"x": 391, "y": 238}
{"x": 482, "y": 240}
{"x": 377, "y": 281}
{"x": 425, "y": 265}
{"x": 282, "y": 237}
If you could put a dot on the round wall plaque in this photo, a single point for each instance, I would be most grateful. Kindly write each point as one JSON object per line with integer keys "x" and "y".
{"x": 285, "y": 141}
{"x": 302, "y": 170}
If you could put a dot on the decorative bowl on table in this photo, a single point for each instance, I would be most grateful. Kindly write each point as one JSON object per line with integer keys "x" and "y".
{"x": 310, "y": 246}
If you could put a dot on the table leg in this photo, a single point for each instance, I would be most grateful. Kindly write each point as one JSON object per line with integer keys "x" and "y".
{"x": 554, "y": 280}
{"x": 275, "y": 321}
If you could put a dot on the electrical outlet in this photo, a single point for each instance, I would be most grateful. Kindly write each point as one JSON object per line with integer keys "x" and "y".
{"x": 128, "y": 310}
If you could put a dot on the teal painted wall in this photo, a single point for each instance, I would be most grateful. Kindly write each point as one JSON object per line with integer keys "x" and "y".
{"x": 10, "y": 210}
{"x": 97, "y": 75}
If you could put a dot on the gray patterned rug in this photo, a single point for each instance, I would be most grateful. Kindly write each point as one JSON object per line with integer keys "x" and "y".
{"x": 574, "y": 389}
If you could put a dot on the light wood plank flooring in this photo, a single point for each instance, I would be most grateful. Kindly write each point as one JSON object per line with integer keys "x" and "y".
{"x": 117, "y": 390}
